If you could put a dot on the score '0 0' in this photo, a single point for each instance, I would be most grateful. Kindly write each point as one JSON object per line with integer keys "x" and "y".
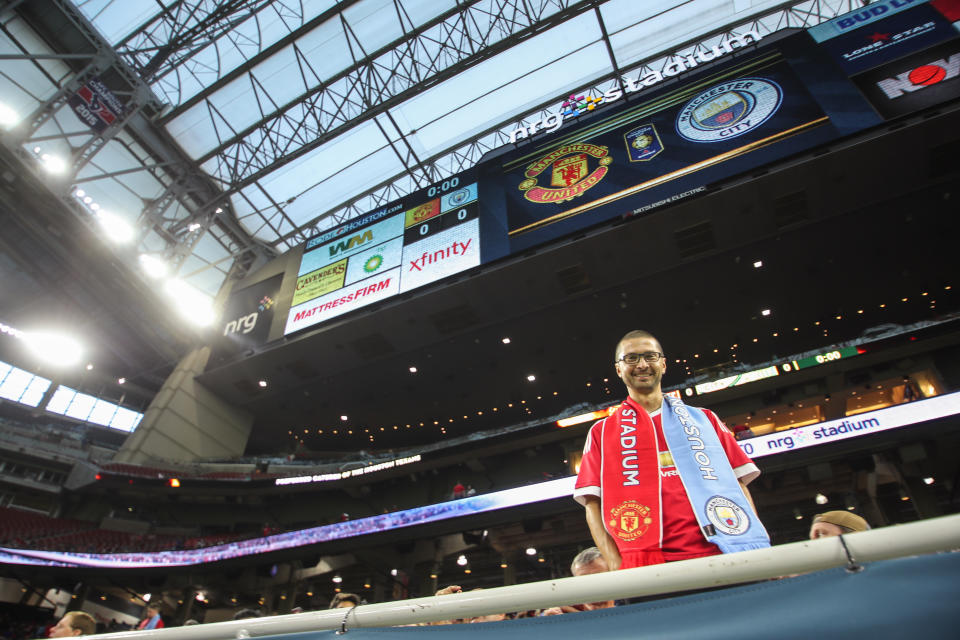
{"x": 425, "y": 227}
{"x": 446, "y": 185}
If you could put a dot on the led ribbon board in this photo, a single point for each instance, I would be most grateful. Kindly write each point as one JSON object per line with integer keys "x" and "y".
{"x": 861, "y": 424}
{"x": 425, "y": 237}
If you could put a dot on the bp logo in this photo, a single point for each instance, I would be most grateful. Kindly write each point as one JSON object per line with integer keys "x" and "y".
{"x": 570, "y": 173}
{"x": 729, "y": 109}
{"x": 727, "y": 516}
{"x": 373, "y": 263}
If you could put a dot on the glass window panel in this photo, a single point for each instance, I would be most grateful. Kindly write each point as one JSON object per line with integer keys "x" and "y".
{"x": 565, "y": 74}
{"x": 115, "y": 20}
{"x": 15, "y": 383}
{"x": 125, "y": 419}
{"x": 663, "y": 31}
{"x": 81, "y": 406}
{"x": 4, "y": 370}
{"x": 34, "y": 391}
{"x": 420, "y": 11}
{"x": 102, "y": 412}
{"x": 523, "y": 61}
{"x": 61, "y": 400}
{"x": 374, "y": 23}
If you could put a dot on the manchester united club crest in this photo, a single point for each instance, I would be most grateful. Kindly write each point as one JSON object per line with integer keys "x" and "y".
{"x": 643, "y": 143}
{"x": 570, "y": 173}
{"x": 630, "y": 520}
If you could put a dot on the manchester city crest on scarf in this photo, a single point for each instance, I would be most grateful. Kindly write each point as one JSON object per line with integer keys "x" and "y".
{"x": 727, "y": 516}
{"x": 643, "y": 143}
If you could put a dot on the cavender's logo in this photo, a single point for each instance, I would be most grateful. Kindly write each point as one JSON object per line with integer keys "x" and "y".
{"x": 630, "y": 520}
{"x": 569, "y": 177}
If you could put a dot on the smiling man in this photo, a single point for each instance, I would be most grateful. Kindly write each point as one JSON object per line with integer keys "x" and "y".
{"x": 662, "y": 481}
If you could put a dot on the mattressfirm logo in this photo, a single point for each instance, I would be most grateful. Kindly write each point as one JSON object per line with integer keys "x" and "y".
{"x": 727, "y": 516}
{"x": 630, "y": 520}
{"x": 921, "y": 77}
{"x": 729, "y": 109}
{"x": 570, "y": 175}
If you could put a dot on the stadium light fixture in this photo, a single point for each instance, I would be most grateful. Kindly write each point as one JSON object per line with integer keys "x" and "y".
{"x": 54, "y": 348}
{"x": 462, "y": 560}
{"x": 531, "y": 551}
{"x": 116, "y": 228}
{"x": 8, "y": 117}
{"x": 153, "y": 266}
{"x": 929, "y": 480}
{"x": 765, "y": 312}
{"x": 758, "y": 264}
{"x": 821, "y": 499}
{"x": 53, "y": 164}
{"x": 337, "y": 578}
{"x": 193, "y": 305}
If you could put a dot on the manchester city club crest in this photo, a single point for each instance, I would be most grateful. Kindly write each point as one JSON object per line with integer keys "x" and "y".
{"x": 729, "y": 109}
{"x": 573, "y": 169}
{"x": 630, "y": 520}
{"x": 727, "y": 516}
{"x": 643, "y": 143}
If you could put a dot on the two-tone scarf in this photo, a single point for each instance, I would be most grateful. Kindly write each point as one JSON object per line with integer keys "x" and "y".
{"x": 631, "y": 485}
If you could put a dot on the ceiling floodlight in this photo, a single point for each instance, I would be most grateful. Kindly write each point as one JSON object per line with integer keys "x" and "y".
{"x": 8, "y": 117}
{"x": 462, "y": 560}
{"x": 190, "y": 303}
{"x": 531, "y": 551}
{"x": 765, "y": 312}
{"x": 56, "y": 349}
{"x": 337, "y": 578}
{"x": 116, "y": 228}
{"x": 821, "y": 499}
{"x": 53, "y": 164}
{"x": 152, "y": 266}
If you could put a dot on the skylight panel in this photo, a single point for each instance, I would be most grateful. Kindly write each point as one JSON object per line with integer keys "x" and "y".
{"x": 556, "y": 79}
{"x": 115, "y": 19}
{"x": 520, "y": 62}
{"x": 666, "y": 30}
{"x": 374, "y": 23}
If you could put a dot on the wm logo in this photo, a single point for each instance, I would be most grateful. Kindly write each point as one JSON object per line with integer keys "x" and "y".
{"x": 354, "y": 241}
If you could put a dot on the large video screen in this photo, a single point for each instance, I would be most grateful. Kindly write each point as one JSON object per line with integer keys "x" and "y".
{"x": 673, "y": 140}
{"x": 429, "y": 235}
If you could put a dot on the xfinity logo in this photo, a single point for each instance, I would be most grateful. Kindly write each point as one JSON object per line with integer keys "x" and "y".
{"x": 925, "y": 75}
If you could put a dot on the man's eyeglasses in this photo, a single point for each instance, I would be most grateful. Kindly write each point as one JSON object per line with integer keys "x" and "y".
{"x": 650, "y": 357}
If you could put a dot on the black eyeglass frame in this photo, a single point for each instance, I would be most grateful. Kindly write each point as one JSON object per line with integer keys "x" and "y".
{"x": 643, "y": 355}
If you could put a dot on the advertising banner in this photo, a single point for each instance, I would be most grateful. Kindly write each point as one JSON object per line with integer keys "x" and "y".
{"x": 890, "y": 38}
{"x": 913, "y": 83}
{"x": 247, "y": 318}
{"x": 95, "y": 105}
{"x": 429, "y": 235}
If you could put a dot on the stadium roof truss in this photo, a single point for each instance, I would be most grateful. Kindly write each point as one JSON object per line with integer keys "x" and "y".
{"x": 248, "y": 125}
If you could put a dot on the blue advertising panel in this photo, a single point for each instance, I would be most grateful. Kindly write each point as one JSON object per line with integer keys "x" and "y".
{"x": 890, "y": 38}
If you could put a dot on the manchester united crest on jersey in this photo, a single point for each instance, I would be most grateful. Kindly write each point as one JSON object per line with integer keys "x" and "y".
{"x": 573, "y": 169}
{"x": 629, "y": 520}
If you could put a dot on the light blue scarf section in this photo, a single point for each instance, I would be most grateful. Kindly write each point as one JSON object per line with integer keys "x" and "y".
{"x": 722, "y": 509}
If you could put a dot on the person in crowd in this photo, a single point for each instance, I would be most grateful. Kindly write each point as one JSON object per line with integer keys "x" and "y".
{"x": 344, "y": 601}
{"x": 247, "y": 614}
{"x": 836, "y": 523}
{"x": 587, "y": 562}
{"x": 459, "y": 491}
{"x": 153, "y": 619}
{"x": 673, "y": 482}
{"x": 74, "y": 623}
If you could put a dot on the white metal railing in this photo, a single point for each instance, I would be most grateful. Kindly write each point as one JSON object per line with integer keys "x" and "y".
{"x": 926, "y": 536}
